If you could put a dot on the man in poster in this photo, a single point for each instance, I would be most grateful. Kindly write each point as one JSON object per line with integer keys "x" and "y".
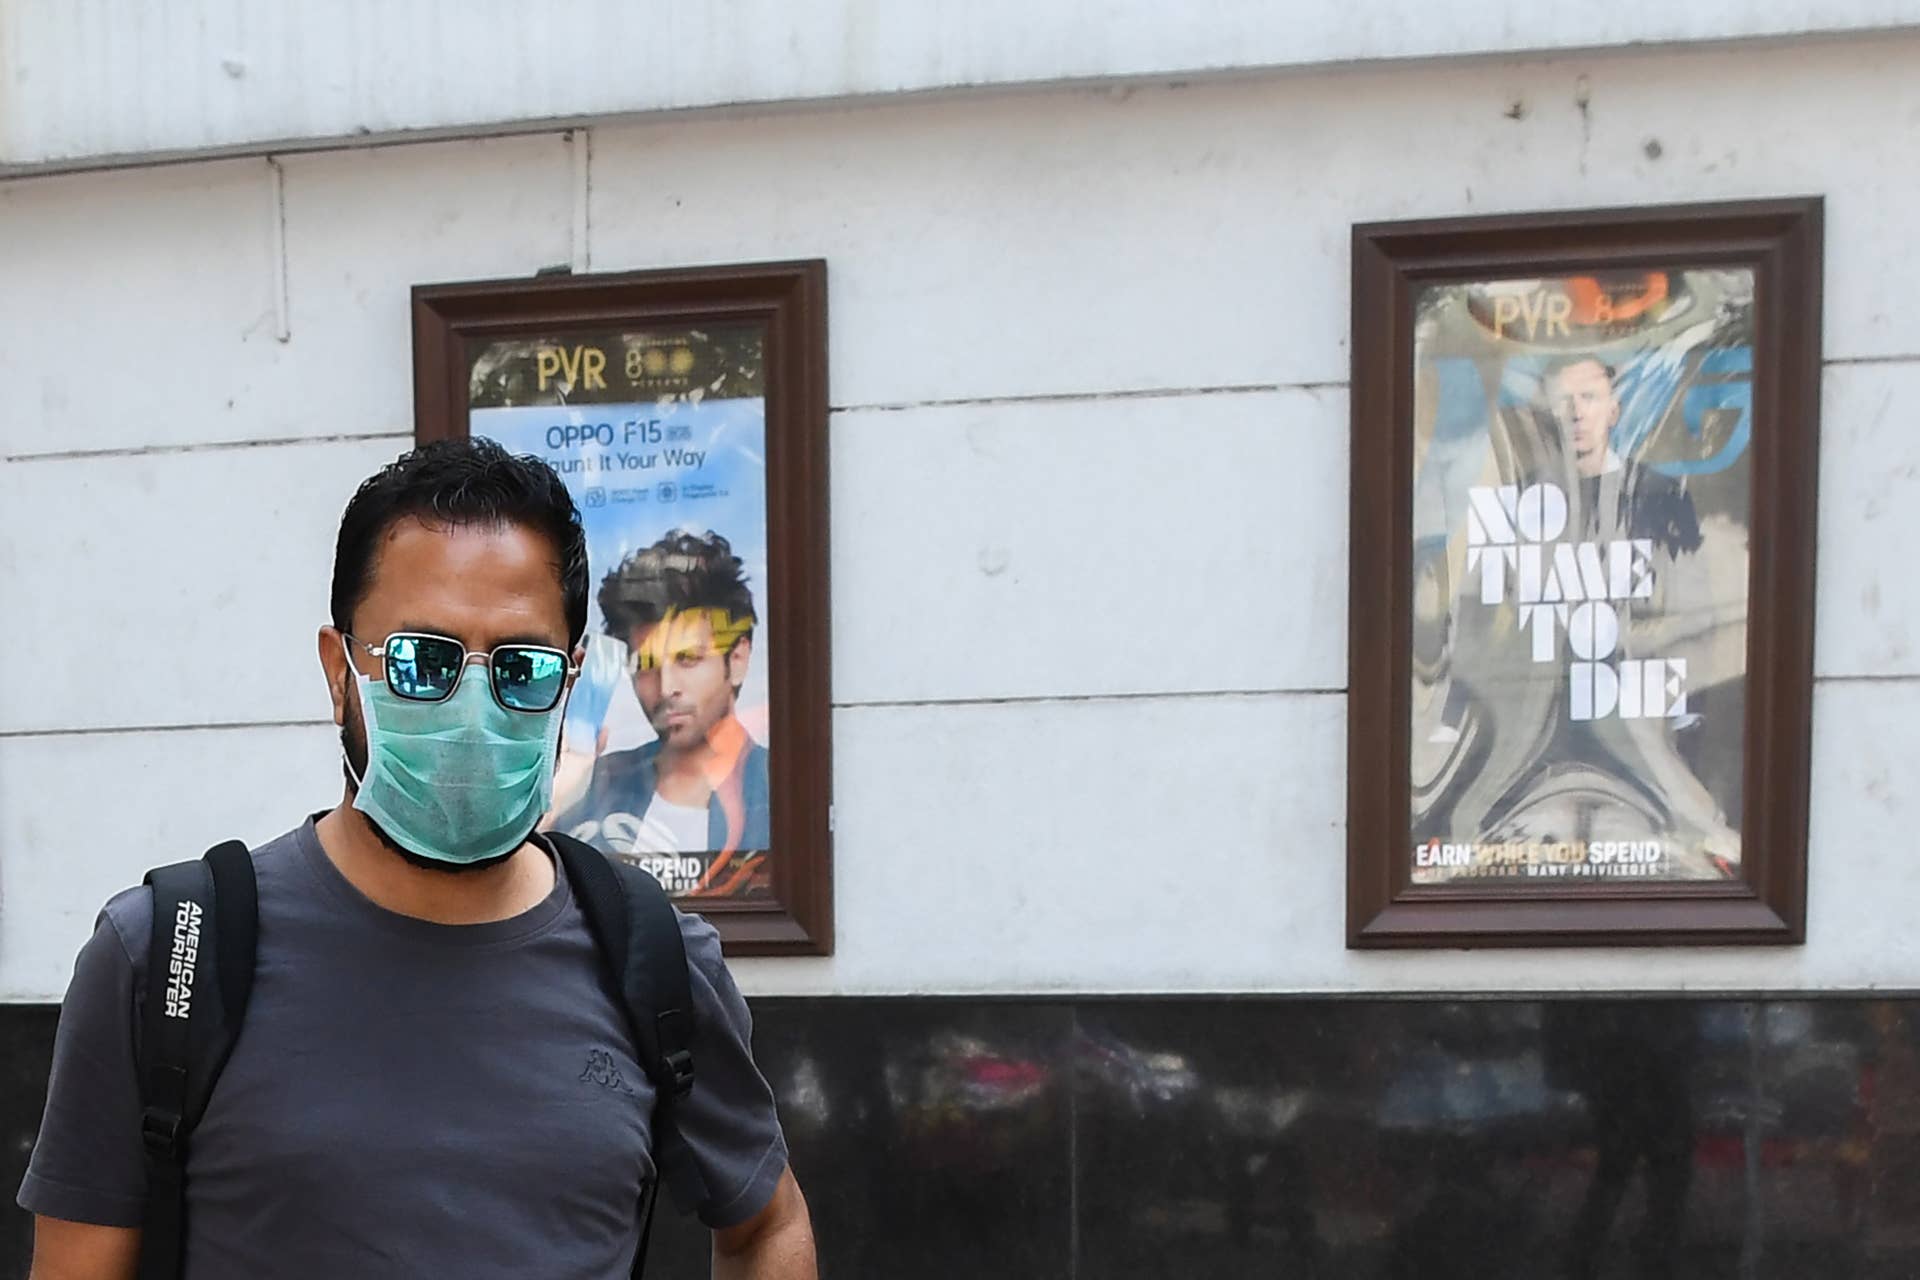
{"x": 1619, "y": 499}
{"x": 1612, "y": 499}
{"x": 692, "y": 806}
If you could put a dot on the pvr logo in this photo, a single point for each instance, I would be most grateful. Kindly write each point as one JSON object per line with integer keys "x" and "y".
{"x": 578, "y": 366}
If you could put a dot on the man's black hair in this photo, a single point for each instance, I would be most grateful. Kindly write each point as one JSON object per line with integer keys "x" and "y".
{"x": 681, "y": 571}
{"x": 460, "y": 482}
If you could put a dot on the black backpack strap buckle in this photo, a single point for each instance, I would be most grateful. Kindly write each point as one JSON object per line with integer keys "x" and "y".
{"x": 680, "y": 1063}
{"x": 674, "y": 1027}
{"x": 160, "y": 1133}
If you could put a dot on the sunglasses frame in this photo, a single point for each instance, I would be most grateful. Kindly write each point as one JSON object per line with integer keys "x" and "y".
{"x": 466, "y": 658}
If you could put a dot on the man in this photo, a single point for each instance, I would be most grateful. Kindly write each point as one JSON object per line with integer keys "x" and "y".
{"x": 1618, "y": 499}
{"x": 432, "y": 1080}
{"x": 692, "y": 805}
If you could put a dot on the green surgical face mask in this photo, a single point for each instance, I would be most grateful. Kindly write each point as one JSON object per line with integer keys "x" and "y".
{"x": 458, "y": 781}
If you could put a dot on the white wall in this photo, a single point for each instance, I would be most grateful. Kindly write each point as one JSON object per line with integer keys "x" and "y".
{"x": 1089, "y": 487}
{"x": 85, "y": 81}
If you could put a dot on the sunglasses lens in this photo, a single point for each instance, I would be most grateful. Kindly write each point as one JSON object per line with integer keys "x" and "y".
{"x": 529, "y": 679}
{"x": 423, "y": 668}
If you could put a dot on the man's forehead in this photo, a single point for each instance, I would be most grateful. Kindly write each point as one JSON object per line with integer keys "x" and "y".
{"x": 1588, "y": 371}
{"x": 500, "y": 545}
{"x": 488, "y": 580}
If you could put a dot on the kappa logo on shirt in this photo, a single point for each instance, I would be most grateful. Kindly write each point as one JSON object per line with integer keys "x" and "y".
{"x": 605, "y": 1072}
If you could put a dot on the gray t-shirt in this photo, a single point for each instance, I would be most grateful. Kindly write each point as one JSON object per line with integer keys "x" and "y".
{"x": 407, "y": 1099}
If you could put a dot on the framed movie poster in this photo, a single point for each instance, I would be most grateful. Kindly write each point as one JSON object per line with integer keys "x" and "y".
{"x": 1584, "y": 454}
{"x": 686, "y": 411}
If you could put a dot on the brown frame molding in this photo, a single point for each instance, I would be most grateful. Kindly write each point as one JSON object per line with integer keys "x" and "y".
{"x": 1781, "y": 241}
{"x": 790, "y": 299}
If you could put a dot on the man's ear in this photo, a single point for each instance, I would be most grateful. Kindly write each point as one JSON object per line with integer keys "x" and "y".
{"x": 738, "y": 661}
{"x": 339, "y": 672}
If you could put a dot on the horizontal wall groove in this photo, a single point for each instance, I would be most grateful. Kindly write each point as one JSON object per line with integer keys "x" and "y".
{"x": 884, "y": 406}
{"x": 1867, "y": 678}
{"x": 879, "y": 704}
{"x": 210, "y": 446}
{"x": 1218, "y": 389}
{"x": 1092, "y": 397}
{"x": 15, "y": 171}
{"x": 121, "y": 730}
{"x": 874, "y": 704}
{"x": 1176, "y": 695}
{"x": 1042, "y": 699}
{"x": 1846, "y": 362}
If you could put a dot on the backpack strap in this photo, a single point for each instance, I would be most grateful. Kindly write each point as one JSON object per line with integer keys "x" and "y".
{"x": 204, "y": 917}
{"x": 237, "y": 935}
{"x": 638, "y": 932}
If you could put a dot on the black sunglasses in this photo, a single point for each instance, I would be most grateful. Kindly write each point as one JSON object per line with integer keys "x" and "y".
{"x": 427, "y": 668}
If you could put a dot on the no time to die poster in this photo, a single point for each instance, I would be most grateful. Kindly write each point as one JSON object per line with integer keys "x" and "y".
{"x": 1581, "y": 507}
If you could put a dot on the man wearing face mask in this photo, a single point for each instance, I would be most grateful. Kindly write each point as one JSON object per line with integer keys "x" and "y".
{"x": 691, "y": 806}
{"x": 432, "y": 1079}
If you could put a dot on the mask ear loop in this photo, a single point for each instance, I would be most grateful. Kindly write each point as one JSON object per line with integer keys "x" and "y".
{"x": 351, "y": 773}
{"x": 366, "y": 714}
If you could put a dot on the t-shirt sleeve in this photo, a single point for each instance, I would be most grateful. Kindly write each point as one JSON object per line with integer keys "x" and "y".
{"x": 728, "y": 1120}
{"x": 88, "y": 1165}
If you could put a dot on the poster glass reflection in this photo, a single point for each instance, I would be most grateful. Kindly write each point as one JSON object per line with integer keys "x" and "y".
{"x": 660, "y": 436}
{"x": 1581, "y": 506}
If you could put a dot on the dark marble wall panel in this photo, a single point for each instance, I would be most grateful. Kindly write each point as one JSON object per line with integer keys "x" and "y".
{"x": 932, "y": 1137}
{"x": 1312, "y": 1138}
{"x": 26, "y": 1047}
{"x": 1499, "y": 1139}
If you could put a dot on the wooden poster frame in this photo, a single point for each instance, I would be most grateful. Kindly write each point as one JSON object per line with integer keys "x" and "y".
{"x": 1780, "y": 241}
